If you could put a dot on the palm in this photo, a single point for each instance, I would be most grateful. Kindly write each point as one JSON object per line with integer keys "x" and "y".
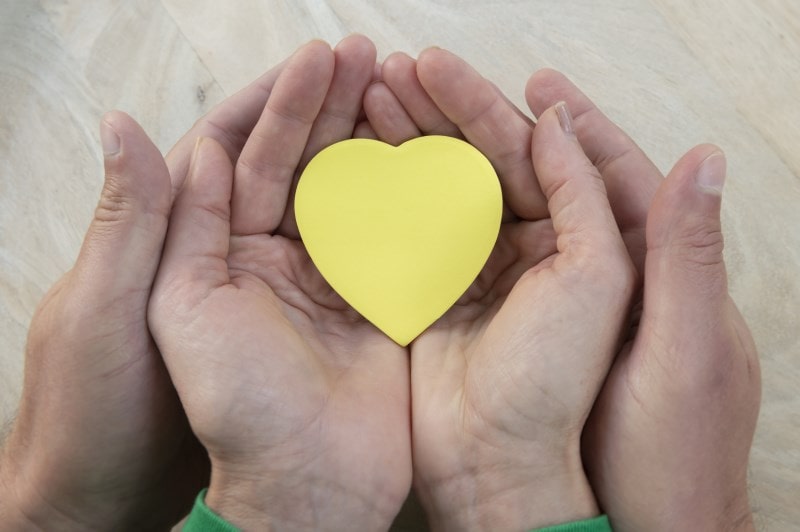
{"x": 289, "y": 336}
{"x": 485, "y": 363}
{"x": 347, "y": 353}
{"x": 460, "y": 340}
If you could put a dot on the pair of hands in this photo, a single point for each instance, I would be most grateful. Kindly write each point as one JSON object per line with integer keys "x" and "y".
{"x": 303, "y": 407}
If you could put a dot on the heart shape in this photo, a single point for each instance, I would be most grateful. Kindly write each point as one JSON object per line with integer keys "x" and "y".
{"x": 399, "y": 232}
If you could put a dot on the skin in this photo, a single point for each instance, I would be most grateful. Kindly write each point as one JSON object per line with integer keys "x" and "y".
{"x": 90, "y": 358}
{"x": 497, "y": 416}
{"x": 123, "y": 445}
{"x": 654, "y": 462}
{"x": 276, "y": 372}
{"x": 678, "y": 411}
{"x": 126, "y": 458}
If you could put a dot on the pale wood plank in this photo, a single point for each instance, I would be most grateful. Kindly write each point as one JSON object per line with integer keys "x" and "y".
{"x": 61, "y": 66}
{"x": 752, "y": 49}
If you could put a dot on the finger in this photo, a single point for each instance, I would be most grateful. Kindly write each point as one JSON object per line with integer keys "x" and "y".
{"x": 266, "y": 167}
{"x": 486, "y": 120}
{"x": 353, "y": 71}
{"x": 399, "y": 72}
{"x": 386, "y": 115}
{"x": 122, "y": 247}
{"x": 364, "y": 131}
{"x": 199, "y": 227}
{"x": 575, "y": 193}
{"x": 354, "y": 68}
{"x": 685, "y": 268}
{"x": 631, "y": 179}
{"x": 230, "y": 123}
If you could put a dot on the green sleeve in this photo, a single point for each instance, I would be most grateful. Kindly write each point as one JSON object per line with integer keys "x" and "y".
{"x": 203, "y": 519}
{"x": 596, "y": 524}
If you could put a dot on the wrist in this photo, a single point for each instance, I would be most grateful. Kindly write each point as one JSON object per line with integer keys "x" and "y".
{"x": 22, "y": 505}
{"x": 37, "y": 494}
{"x": 510, "y": 497}
{"x": 253, "y": 498}
{"x": 719, "y": 512}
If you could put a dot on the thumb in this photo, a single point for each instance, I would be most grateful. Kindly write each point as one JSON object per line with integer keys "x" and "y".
{"x": 122, "y": 247}
{"x": 576, "y": 195}
{"x": 684, "y": 266}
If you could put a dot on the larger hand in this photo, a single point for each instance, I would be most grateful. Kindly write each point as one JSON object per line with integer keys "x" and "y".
{"x": 301, "y": 404}
{"x": 101, "y": 441}
{"x": 503, "y": 383}
{"x": 668, "y": 441}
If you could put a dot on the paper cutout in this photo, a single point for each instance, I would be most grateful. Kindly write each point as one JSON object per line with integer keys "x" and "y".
{"x": 399, "y": 232}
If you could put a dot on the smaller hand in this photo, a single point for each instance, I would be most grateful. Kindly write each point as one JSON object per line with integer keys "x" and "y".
{"x": 301, "y": 403}
{"x": 503, "y": 383}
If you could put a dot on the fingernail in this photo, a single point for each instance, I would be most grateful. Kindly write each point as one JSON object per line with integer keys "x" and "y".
{"x": 193, "y": 161}
{"x": 710, "y": 176}
{"x": 109, "y": 139}
{"x": 565, "y": 118}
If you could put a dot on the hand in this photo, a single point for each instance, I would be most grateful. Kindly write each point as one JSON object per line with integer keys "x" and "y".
{"x": 301, "y": 404}
{"x": 503, "y": 383}
{"x": 668, "y": 441}
{"x": 101, "y": 441}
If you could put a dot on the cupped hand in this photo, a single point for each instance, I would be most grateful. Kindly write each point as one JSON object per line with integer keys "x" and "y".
{"x": 503, "y": 383}
{"x": 667, "y": 444}
{"x": 302, "y": 405}
{"x": 101, "y": 441}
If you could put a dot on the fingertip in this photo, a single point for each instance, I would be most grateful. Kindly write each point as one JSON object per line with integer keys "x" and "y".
{"x": 432, "y": 52}
{"x": 109, "y": 139}
{"x": 548, "y": 137}
{"x": 114, "y": 125}
{"x": 317, "y": 55}
{"x": 547, "y": 86}
{"x": 389, "y": 120}
{"x": 686, "y": 174}
{"x": 685, "y": 207}
{"x": 357, "y": 44}
{"x": 432, "y": 63}
{"x": 116, "y": 118}
{"x": 317, "y": 45}
{"x": 710, "y": 168}
{"x": 133, "y": 164}
{"x": 397, "y": 65}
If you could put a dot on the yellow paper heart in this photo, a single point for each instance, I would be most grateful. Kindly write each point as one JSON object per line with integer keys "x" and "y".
{"x": 399, "y": 232}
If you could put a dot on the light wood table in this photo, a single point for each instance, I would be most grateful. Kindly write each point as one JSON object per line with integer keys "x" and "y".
{"x": 673, "y": 73}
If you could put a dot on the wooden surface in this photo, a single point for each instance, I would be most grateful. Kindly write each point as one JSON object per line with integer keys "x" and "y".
{"x": 673, "y": 73}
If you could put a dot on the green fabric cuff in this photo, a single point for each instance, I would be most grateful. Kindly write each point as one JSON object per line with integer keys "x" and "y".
{"x": 596, "y": 524}
{"x": 203, "y": 519}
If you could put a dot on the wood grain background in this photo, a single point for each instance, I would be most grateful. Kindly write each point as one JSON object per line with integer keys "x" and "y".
{"x": 673, "y": 73}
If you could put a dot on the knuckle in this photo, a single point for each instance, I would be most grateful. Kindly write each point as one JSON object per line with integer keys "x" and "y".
{"x": 114, "y": 204}
{"x": 697, "y": 248}
{"x": 609, "y": 274}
